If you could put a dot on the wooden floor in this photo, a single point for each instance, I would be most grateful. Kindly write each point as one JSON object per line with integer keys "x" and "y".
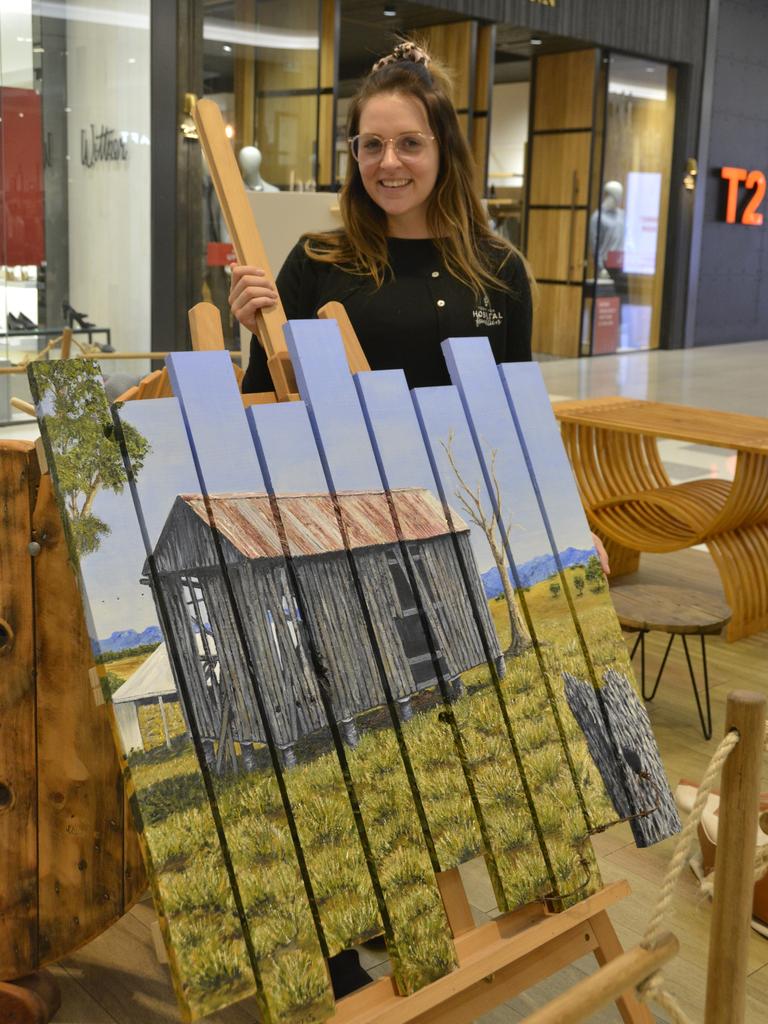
{"x": 116, "y": 979}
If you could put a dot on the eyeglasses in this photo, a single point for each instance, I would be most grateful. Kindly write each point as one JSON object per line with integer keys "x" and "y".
{"x": 369, "y": 149}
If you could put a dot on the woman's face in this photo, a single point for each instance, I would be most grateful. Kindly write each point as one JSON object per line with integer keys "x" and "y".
{"x": 400, "y": 183}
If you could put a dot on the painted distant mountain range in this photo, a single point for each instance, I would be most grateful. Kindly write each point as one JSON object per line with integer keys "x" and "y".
{"x": 538, "y": 569}
{"x": 122, "y": 639}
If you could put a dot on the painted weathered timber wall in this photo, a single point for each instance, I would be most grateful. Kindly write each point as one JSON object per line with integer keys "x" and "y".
{"x": 620, "y": 740}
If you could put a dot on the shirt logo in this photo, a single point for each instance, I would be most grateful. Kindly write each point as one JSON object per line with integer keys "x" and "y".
{"x": 486, "y": 315}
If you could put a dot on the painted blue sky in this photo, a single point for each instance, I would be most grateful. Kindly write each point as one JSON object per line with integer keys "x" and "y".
{"x": 117, "y": 599}
{"x": 473, "y": 369}
{"x": 326, "y": 386}
{"x": 285, "y": 438}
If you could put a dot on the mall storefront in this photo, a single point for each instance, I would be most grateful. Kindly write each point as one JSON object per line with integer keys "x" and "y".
{"x": 585, "y": 129}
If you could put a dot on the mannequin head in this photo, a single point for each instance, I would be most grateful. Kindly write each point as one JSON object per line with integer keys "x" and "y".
{"x": 613, "y": 193}
{"x": 249, "y": 159}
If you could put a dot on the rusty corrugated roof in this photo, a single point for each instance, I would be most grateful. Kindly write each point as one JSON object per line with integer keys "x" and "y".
{"x": 310, "y": 521}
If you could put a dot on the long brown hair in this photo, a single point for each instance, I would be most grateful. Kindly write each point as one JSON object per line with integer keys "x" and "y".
{"x": 470, "y": 251}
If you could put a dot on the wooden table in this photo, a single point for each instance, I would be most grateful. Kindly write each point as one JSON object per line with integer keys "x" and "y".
{"x": 630, "y": 500}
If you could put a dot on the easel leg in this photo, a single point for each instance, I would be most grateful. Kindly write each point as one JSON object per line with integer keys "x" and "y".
{"x": 631, "y": 1009}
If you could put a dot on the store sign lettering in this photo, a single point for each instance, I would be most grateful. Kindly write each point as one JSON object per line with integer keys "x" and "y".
{"x": 753, "y": 181}
{"x": 103, "y": 145}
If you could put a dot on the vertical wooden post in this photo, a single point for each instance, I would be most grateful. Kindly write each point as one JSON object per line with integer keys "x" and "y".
{"x": 736, "y": 841}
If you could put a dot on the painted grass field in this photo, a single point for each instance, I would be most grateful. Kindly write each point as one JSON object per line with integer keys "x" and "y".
{"x": 337, "y": 870}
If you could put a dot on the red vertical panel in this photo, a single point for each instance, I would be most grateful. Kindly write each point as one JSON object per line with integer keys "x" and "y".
{"x": 22, "y": 232}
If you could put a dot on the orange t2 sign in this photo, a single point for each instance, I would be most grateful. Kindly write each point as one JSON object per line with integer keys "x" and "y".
{"x": 752, "y": 180}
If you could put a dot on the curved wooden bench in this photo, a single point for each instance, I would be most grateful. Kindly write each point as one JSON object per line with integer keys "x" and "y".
{"x": 630, "y": 500}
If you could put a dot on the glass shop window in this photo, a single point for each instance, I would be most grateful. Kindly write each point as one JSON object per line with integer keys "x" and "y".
{"x": 74, "y": 185}
{"x": 627, "y": 228}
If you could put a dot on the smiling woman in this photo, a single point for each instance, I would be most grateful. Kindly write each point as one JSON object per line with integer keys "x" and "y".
{"x": 416, "y": 261}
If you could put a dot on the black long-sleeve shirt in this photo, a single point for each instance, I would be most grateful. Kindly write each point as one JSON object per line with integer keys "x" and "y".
{"x": 402, "y": 323}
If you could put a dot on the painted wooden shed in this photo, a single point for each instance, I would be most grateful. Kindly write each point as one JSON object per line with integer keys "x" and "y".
{"x": 200, "y": 607}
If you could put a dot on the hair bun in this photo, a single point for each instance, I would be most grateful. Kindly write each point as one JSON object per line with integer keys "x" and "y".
{"x": 402, "y": 52}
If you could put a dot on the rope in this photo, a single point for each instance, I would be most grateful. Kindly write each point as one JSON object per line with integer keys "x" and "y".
{"x": 653, "y": 987}
{"x": 687, "y": 839}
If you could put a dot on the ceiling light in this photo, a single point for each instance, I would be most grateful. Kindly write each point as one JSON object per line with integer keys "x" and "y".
{"x": 389, "y": 11}
{"x": 535, "y": 41}
{"x": 227, "y": 49}
{"x": 229, "y": 131}
{"x": 219, "y": 31}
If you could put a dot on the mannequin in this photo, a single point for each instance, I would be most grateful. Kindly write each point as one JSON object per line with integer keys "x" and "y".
{"x": 610, "y": 217}
{"x": 249, "y": 159}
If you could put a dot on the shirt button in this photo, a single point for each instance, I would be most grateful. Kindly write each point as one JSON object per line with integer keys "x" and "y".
{"x": 441, "y": 303}
{"x": 435, "y": 273}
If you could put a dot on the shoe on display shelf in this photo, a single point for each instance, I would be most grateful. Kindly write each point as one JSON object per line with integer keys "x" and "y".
{"x": 72, "y": 316}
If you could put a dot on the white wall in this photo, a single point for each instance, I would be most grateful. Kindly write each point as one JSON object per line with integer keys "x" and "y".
{"x": 509, "y": 131}
{"x": 16, "y": 44}
{"x": 108, "y": 78}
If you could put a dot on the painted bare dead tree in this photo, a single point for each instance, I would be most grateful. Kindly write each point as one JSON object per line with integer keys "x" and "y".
{"x": 488, "y": 522}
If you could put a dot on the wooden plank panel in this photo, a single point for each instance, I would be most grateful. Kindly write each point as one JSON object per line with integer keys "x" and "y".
{"x": 589, "y": 657}
{"x": 556, "y": 244}
{"x": 18, "y": 761}
{"x": 526, "y": 684}
{"x": 454, "y": 46}
{"x": 482, "y": 716}
{"x": 351, "y": 468}
{"x": 330, "y": 14}
{"x": 105, "y": 545}
{"x": 418, "y": 957}
{"x": 235, "y": 730}
{"x": 564, "y": 90}
{"x": 560, "y": 169}
{"x": 80, "y": 785}
{"x": 557, "y": 324}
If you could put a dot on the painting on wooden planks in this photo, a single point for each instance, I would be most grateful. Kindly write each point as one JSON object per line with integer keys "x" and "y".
{"x": 555, "y": 574}
{"x": 348, "y": 642}
{"x": 187, "y": 857}
{"x": 341, "y": 765}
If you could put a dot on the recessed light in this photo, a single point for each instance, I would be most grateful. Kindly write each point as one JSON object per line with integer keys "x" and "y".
{"x": 227, "y": 49}
{"x": 131, "y": 60}
{"x": 650, "y": 70}
{"x": 535, "y": 41}
{"x": 389, "y": 11}
{"x": 229, "y": 131}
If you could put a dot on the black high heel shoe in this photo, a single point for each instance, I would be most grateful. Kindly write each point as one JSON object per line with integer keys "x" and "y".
{"x": 26, "y": 322}
{"x": 71, "y": 316}
{"x": 14, "y": 324}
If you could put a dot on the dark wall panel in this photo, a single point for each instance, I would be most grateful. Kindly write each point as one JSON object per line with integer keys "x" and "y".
{"x": 732, "y": 300}
{"x": 670, "y": 30}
